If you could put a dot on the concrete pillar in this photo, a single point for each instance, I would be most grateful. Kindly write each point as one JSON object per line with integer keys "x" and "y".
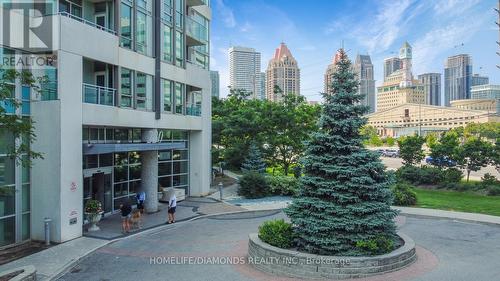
{"x": 149, "y": 171}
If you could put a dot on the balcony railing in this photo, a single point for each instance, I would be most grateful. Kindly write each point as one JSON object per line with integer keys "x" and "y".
{"x": 196, "y": 30}
{"x": 98, "y": 95}
{"x": 93, "y": 24}
{"x": 193, "y": 109}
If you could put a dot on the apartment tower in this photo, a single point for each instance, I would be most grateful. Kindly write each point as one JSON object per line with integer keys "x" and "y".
{"x": 282, "y": 74}
{"x": 244, "y": 70}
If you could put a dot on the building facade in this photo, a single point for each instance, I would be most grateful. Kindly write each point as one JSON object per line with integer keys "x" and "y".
{"x": 432, "y": 87}
{"x": 457, "y": 78}
{"x": 487, "y": 92}
{"x": 411, "y": 119}
{"x": 282, "y": 74}
{"x": 244, "y": 70}
{"x": 391, "y": 65}
{"x": 363, "y": 67}
{"x": 399, "y": 87}
{"x": 480, "y": 80}
{"x": 328, "y": 77}
{"x": 214, "y": 78}
{"x": 262, "y": 85}
{"x": 132, "y": 113}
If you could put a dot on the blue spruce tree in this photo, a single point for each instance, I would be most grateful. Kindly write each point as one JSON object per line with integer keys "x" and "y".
{"x": 254, "y": 162}
{"x": 344, "y": 197}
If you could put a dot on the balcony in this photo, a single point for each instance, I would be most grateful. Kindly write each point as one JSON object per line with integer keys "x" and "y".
{"x": 190, "y": 3}
{"x": 193, "y": 109}
{"x": 90, "y": 23}
{"x": 196, "y": 33}
{"x": 98, "y": 94}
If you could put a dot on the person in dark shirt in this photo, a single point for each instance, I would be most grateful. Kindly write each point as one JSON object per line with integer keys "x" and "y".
{"x": 126, "y": 210}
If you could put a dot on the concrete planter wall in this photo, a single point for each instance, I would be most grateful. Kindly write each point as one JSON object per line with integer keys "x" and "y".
{"x": 28, "y": 273}
{"x": 290, "y": 263}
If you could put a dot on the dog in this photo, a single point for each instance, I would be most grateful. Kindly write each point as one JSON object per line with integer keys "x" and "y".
{"x": 136, "y": 219}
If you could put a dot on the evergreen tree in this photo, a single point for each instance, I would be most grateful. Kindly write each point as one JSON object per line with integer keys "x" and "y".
{"x": 344, "y": 196}
{"x": 254, "y": 161}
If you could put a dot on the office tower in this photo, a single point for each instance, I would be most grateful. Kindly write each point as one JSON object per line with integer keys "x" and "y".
{"x": 432, "y": 87}
{"x": 214, "y": 78}
{"x": 122, "y": 113}
{"x": 282, "y": 74}
{"x": 478, "y": 80}
{"x": 399, "y": 87}
{"x": 330, "y": 70}
{"x": 262, "y": 93}
{"x": 391, "y": 65}
{"x": 457, "y": 78}
{"x": 244, "y": 70}
{"x": 363, "y": 67}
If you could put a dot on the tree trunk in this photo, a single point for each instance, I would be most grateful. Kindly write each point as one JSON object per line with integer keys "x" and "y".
{"x": 286, "y": 166}
{"x": 468, "y": 174}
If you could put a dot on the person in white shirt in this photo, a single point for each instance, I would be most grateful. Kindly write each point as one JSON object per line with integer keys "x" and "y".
{"x": 172, "y": 203}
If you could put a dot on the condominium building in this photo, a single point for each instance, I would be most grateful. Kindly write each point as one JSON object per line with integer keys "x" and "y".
{"x": 214, "y": 78}
{"x": 457, "y": 78}
{"x": 363, "y": 67}
{"x": 432, "y": 87}
{"x": 400, "y": 87}
{"x": 129, "y": 110}
{"x": 282, "y": 74}
{"x": 391, "y": 65}
{"x": 330, "y": 70}
{"x": 262, "y": 81}
{"x": 480, "y": 80}
{"x": 244, "y": 70}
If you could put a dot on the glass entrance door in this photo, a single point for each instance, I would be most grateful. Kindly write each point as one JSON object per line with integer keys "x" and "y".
{"x": 97, "y": 185}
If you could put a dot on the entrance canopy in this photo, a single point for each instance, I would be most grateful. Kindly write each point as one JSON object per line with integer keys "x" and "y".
{"x": 101, "y": 148}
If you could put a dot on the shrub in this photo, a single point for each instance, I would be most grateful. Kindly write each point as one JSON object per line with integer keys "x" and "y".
{"x": 430, "y": 175}
{"x": 253, "y": 185}
{"x": 277, "y": 233}
{"x": 283, "y": 185}
{"x": 452, "y": 175}
{"x": 493, "y": 190}
{"x": 404, "y": 194}
{"x": 381, "y": 244}
{"x": 488, "y": 180}
{"x": 408, "y": 173}
{"x": 418, "y": 176}
{"x": 93, "y": 206}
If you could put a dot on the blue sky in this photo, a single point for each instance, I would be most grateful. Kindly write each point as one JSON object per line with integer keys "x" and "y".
{"x": 314, "y": 30}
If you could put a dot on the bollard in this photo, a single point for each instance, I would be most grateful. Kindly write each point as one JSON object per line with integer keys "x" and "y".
{"x": 220, "y": 190}
{"x": 47, "y": 230}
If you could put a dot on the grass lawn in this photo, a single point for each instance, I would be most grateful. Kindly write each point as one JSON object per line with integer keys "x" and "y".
{"x": 458, "y": 201}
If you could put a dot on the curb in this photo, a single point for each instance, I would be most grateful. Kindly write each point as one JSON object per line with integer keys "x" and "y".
{"x": 158, "y": 228}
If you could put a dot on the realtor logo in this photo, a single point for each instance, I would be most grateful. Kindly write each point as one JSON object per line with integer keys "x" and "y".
{"x": 27, "y": 25}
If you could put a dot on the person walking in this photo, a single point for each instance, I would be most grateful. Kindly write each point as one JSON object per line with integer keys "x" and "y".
{"x": 141, "y": 197}
{"x": 125, "y": 210}
{"x": 172, "y": 204}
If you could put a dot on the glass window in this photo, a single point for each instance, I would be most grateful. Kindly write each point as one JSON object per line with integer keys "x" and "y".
{"x": 165, "y": 168}
{"x": 167, "y": 10}
{"x": 25, "y": 170}
{"x": 121, "y": 189}
{"x": 141, "y": 30}
{"x": 26, "y": 198}
{"x": 165, "y": 181}
{"x": 133, "y": 187}
{"x": 164, "y": 155}
{"x": 180, "y": 167}
{"x": 179, "y": 48}
{"x": 7, "y": 171}
{"x": 90, "y": 161}
{"x": 134, "y": 158}
{"x": 167, "y": 43}
{"x": 144, "y": 91}
{"x": 179, "y": 180}
{"x": 121, "y": 159}
{"x": 126, "y": 88}
{"x": 26, "y": 226}
{"x": 167, "y": 95}
{"x": 105, "y": 160}
{"x": 126, "y": 26}
{"x": 179, "y": 98}
{"x": 8, "y": 231}
{"x": 121, "y": 174}
{"x": 135, "y": 172}
{"x": 179, "y": 12}
{"x": 180, "y": 155}
{"x": 8, "y": 200}
{"x": 6, "y": 141}
{"x": 121, "y": 135}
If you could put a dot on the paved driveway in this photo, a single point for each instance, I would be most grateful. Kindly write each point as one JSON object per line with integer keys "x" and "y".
{"x": 448, "y": 250}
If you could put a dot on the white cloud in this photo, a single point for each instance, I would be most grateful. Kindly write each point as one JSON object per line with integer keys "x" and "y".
{"x": 453, "y": 7}
{"x": 226, "y": 14}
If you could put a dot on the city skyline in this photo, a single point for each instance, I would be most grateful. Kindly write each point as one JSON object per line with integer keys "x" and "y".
{"x": 436, "y": 32}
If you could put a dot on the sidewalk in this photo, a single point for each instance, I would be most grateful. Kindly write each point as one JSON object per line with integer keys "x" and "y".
{"x": 461, "y": 216}
{"x": 52, "y": 261}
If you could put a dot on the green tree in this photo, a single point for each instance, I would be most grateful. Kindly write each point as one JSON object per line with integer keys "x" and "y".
{"x": 474, "y": 154}
{"x": 445, "y": 148}
{"x": 390, "y": 141}
{"x": 410, "y": 149}
{"x": 14, "y": 125}
{"x": 344, "y": 196}
{"x": 253, "y": 161}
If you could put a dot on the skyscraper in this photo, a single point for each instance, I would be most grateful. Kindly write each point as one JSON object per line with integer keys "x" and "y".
{"x": 457, "y": 78}
{"x": 432, "y": 87}
{"x": 330, "y": 70}
{"x": 262, "y": 85}
{"x": 391, "y": 65}
{"x": 244, "y": 70}
{"x": 283, "y": 72}
{"x": 214, "y": 77}
{"x": 478, "y": 80}
{"x": 363, "y": 67}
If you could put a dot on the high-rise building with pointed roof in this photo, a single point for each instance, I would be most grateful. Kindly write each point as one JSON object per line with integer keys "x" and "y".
{"x": 363, "y": 67}
{"x": 330, "y": 70}
{"x": 283, "y": 72}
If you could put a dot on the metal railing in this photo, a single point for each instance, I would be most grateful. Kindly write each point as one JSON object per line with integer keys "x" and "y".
{"x": 193, "y": 109}
{"x": 196, "y": 30}
{"x": 98, "y": 94}
{"x": 93, "y": 24}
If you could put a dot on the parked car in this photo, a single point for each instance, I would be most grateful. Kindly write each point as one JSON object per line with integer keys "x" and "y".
{"x": 381, "y": 152}
{"x": 440, "y": 161}
{"x": 391, "y": 153}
